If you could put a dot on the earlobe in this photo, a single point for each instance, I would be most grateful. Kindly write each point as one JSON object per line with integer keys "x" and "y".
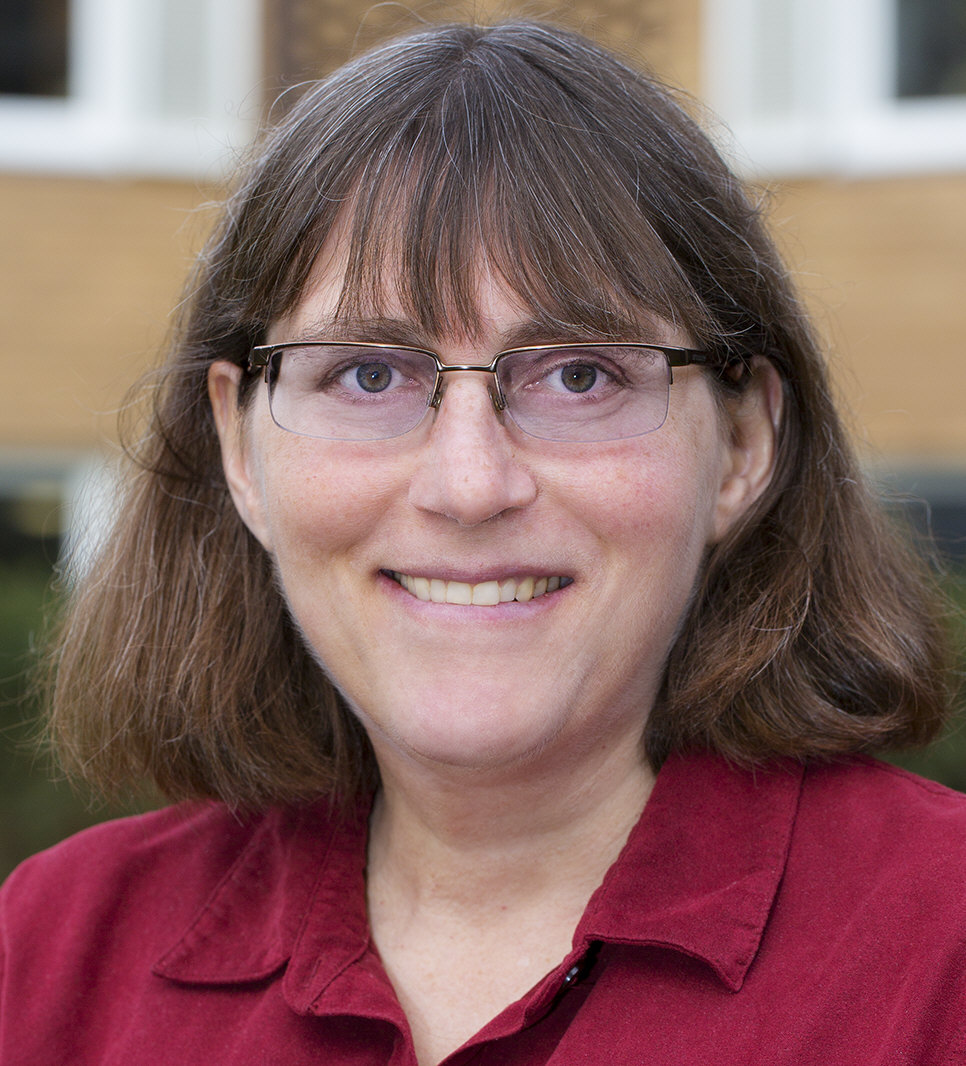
{"x": 755, "y": 423}
{"x": 224, "y": 381}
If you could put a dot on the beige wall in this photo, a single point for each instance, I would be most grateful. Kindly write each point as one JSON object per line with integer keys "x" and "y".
{"x": 883, "y": 265}
{"x": 91, "y": 270}
{"x": 304, "y": 35}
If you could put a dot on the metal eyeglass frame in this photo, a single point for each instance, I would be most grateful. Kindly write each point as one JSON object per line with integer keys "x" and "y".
{"x": 261, "y": 358}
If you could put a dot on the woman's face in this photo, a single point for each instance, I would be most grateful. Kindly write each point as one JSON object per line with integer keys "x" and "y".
{"x": 467, "y": 499}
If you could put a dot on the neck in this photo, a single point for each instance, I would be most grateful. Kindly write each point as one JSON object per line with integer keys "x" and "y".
{"x": 476, "y": 881}
{"x": 465, "y": 839}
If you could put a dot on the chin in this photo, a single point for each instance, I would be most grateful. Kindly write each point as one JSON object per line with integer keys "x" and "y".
{"x": 484, "y": 733}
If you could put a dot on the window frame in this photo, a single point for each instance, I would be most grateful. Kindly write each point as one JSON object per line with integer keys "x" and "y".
{"x": 831, "y": 107}
{"x": 112, "y": 121}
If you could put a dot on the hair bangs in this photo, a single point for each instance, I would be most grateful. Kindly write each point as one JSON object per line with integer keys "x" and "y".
{"x": 503, "y": 173}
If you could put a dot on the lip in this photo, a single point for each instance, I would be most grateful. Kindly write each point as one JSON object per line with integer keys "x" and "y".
{"x": 509, "y": 587}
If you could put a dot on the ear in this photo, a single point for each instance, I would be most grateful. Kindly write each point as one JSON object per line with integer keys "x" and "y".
{"x": 755, "y": 418}
{"x": 244, "y": 484}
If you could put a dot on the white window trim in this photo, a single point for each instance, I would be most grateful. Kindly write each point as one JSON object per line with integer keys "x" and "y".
{"x": 827, "y": 105}
{"x": 107, "y": 125}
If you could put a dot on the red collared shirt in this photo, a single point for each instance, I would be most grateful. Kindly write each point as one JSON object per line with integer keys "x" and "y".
{"x": 783, "y": 917}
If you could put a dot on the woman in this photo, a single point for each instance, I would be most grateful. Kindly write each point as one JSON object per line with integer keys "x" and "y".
{"x": 496, "y": 570}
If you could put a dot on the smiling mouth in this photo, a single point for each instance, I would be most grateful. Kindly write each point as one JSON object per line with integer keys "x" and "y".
{"x": 485, "y": 594}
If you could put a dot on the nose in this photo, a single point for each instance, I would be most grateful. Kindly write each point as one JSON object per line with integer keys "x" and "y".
{"x": 468, "y": 469}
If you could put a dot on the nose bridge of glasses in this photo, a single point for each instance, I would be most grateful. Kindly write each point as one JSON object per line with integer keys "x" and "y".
{"x": 493, "y": 386}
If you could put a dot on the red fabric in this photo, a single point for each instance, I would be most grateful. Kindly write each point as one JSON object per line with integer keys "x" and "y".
{"x": 775, "y": 917}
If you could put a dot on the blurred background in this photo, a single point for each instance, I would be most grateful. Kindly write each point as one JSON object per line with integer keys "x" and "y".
{"x": 120, "y": 120}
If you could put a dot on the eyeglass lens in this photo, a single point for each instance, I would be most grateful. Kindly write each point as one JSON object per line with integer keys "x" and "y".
{"x": 353, "y": 392}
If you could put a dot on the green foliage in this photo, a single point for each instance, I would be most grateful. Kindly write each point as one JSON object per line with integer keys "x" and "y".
{"x": 36, "y": 810}
{"x": 945, "y": 760}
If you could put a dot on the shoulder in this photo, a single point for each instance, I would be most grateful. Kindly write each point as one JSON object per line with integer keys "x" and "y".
{"x": 870, "y": 795}
{"x": 188, "y": 837}
{"x": 884, "y": 826}
{"x": 120, "y": 862}
{"x": 91, "y": 930}
{"x": 114, "y": 899}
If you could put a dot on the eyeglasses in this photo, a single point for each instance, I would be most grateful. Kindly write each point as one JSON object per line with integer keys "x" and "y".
{"x": 353, "y": 390}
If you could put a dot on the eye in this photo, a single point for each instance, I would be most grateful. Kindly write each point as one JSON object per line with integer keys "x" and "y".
{"x": 562, "y": 375}
{"x": 373, "y": 377}
{"x": 590, "y": 375}
{"x": 380, "y": 374}
{"x": 578, "y": 377}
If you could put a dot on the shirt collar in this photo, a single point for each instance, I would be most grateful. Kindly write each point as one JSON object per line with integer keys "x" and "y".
{"x": 698, "y": 875}
{"x": 701, "y": 868}
{"x": 246, "y": 929}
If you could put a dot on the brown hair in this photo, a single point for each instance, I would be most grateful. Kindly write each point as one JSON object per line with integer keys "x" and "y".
{"x": 587, "y": 187}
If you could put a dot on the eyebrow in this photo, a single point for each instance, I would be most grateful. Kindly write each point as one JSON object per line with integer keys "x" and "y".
{"x": 375, "y": 329}
{"x": 386, "y": 330}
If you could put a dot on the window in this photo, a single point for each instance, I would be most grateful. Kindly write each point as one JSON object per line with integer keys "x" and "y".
{"x": 867, "y": 86}
{"x": 931, "y": 48}
{"x": 159, "y": 87}
{"x": 33, "y": 48}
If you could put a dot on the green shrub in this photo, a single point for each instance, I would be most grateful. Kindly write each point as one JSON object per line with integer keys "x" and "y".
{"x": 945, "y": 760}
{"x": 36, "y": 809}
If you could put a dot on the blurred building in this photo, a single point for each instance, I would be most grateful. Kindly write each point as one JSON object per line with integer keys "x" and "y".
{"x": 120, "y": 118}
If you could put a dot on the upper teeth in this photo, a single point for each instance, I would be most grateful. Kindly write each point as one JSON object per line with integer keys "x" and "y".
{"x": 485, "y": 594}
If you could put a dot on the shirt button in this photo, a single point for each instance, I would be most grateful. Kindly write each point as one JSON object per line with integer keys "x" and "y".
{"x": 571, "y": 975}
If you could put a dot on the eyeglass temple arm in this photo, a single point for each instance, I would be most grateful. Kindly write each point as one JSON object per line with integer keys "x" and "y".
{"x": 686, "y": 357}
{"x": 259, "y": 357}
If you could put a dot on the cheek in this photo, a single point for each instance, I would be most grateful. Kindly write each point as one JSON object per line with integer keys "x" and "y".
{"x": 660, "y": 501}
{"x": 318, "y": 500}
